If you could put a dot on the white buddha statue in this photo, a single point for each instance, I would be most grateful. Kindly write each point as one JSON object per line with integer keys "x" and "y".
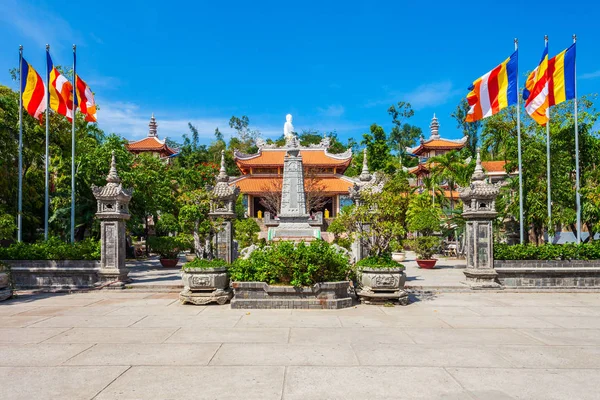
{"x": 288, "y": 128}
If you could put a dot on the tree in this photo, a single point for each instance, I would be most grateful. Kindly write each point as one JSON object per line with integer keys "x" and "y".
{"x": 378, "y": 150}
{"x": 403, "y": 135}
{"x": 469, "y": 129}
{"x": 245, "y": 137}
{"x": 422, "y": 216}
{"x": 447, "y": 167}
{"x": 194, "y": 207}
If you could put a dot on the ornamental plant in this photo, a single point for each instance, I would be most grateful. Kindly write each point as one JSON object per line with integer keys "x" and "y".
{"x": 168, "y": 247}
{"x": 201, "y": 263}
{"x": 570, "y": 251}
{"x": 425, "y": 246}
{"x": 378, "y": 262}
{"x": 52, "y": 249}
{"x": 293, "y": 264}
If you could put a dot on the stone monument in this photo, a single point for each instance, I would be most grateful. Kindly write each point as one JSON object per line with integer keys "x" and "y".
{"x": 113, "y": 211}
{"x": 223, "y": 206}
{"x": 479, "y": 212}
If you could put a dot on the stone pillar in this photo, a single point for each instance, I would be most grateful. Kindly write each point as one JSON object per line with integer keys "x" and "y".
{"x": 479, "y": 211}
{"x": 223, "y": 207}
{"x": 113, "y": 211}
{"x": 293, "y": 197}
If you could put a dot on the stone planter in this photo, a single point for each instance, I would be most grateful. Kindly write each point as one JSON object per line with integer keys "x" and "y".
{"x": 169, "y": 262}
{"x": 203, "y": 286}
{"x": 324, "y": 295}
{"x": 189, "y": 257}
{"x": 382, "y": 285}
{"x": 5, "y": 290}
{"x": 426, "y": 264}
{"x": 399, "y": 257}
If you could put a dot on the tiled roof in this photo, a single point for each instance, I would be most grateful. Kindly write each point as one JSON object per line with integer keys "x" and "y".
{"x": 442, "y": 144}
{"x": 493, "y": 166}
{"x": 269, "y": 158}
{"x": 256, "y": 185}
{"x": 149, "y": 144}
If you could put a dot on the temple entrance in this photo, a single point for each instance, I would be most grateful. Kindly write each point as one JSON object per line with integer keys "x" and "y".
{"x": 257, "y": 206}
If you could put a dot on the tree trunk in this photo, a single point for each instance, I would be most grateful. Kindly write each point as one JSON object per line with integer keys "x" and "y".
{"x": 146, "y": 234}
{"x": 198, "y": 248}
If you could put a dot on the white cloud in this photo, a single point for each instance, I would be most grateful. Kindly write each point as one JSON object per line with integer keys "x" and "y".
{"x": 426, "y": 95}
{"x": 590, "y": 75}
{"x": 334, "y": 110}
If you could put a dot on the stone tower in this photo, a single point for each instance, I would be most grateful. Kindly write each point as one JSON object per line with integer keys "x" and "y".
{"x": 113, "y": 211}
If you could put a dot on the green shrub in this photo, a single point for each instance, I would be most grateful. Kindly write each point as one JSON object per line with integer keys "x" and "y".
{"x": 289, "y": 264}
{"x": 378, "y": 262}
{"x": 424, "y": 246}
{"x": 166, "y": 246}
{"x": 52, "y": 249}
{"x": 246, "y": 232}
{"x": 569, "y": 251}
{"x": 202, "y": 263}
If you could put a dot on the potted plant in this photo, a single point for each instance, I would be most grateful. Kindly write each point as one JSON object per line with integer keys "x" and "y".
{"x": 205, "y": 281}
{"x": 424, "y": 217}
{"x": 425, "y": 247}
{"x": 397, "y": 249}
{"x": 167, "y": 247}
{"x": 381, "y": 279}
{"x": 187, "y": 242}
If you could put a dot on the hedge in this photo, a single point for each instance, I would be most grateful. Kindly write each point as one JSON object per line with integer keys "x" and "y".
{"x": 570, "y": 251}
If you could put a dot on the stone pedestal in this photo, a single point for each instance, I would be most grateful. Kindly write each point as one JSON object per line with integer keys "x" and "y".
{"x": 479, "y": 211}
{"x": 113, "y": 211}
{"x": 5, "y": 290}
{"x": 203, "y": 286}
{"x": 378, "y": 285}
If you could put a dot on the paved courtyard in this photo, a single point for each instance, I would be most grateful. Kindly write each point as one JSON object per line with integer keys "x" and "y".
{"x": 139, "y": 345}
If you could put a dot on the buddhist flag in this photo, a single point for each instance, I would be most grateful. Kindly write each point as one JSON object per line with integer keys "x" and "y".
{"x": 33, "y": 91}
{"x": 494, "y": 91}
{"x": 84, "y": 99}
{"x": 535, "y": 93}
{"x": 61, "y": 91}
{"x": 561, "y": 76}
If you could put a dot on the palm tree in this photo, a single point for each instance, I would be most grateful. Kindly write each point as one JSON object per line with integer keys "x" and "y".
{"x": 447, "y": 167}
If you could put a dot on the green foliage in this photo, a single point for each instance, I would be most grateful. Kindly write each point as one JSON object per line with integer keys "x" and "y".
{"x": 570, "y": 251}
{"x": 378, "y": 150}
{"x": 7, "y": 226}
{"x": 202, "y": 263}
{"x": 246, "y": 232}
{"x": 167, "y": 223}
{"x": 290, "y": 264}
{"x": 425, "y": 246}
{"x": 53, "y": 249}
{"x": 422, "y": 216}
{"x": 166, "y": 246}
{"x": 378, "y": 262}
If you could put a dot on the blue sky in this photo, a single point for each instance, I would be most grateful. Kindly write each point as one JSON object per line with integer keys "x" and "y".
{"x": 333, "y": 65}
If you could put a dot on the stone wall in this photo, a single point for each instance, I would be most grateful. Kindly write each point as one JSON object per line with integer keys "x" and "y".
{"x": 548, "y": 274}
{"x": 54, "y": 275}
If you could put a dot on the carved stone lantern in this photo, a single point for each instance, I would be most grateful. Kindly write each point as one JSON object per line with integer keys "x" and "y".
{"x": 223, "y": 206}
{"x": 113, "y": 211}
{"x": 479, "y": 211}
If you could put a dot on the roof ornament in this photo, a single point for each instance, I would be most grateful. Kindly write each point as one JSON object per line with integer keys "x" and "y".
{"x": 365, "y": 175}
{"x": 113, "y": 176}
{"x": 478, "y": 174}
{"x": 222, "y": 177}
{"x": 153, "y": 131}
{"x": 434, "y": 127}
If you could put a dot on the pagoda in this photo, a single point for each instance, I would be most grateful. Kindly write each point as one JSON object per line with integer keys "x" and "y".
{"x": 263, "y": 172}
{"x": 152, "y": 144}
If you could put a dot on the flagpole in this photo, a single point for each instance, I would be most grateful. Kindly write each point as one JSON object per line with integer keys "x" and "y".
{"x": 46, "y": 178}
{"x": 20, "y": 189}
{"x": 577, "y": 183}
{"x": 521, "y": 222}
{"x": 73, "y": 148}
{"x": 548, "y": 161}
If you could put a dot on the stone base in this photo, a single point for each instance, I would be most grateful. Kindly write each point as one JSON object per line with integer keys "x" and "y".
{"x": 218, "y": 296}
{"x": 481, "y": 278}
{"x": 542, "y": 274}
{"x": 113, "y": 279}
{"x": 325, "y": 295}
{"x": 377, "y": 298}
{"x": 5, "y": 293}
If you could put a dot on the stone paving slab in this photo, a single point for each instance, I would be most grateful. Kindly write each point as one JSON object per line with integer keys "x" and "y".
{"x": 197, "y": 383}
{"x": 499, "y": 322}
{"x": 157, "y": 310}
{"x": 113, "y": 335}
{"x": 528, "y": 384}
{"x": 62, "y": 310}
{"x": 473, "y": 336}
{"x": 146, "y": 354}
{"x": 38, "y": 355}
{"x": 285, "y": 354}
{"x": 396, "y": 320}
{"x": 308, "y": 383}
{"x": 551, "y": 356}
{"x": 230, "y": 335}
{"x": 20, "y": 321}
{"x": 289, "y": 321}
{"x": 198, "y": 321}
{"x": 564, "y": 336}
{"x": 347, "y": 335}
{"x": 82, "y": 321}
{"x": 29, "y": 335}
{"x": 56, "y": 383}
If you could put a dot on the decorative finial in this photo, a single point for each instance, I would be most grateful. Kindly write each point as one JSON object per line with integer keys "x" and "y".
{"x": 434, "y": 127}
{"x": 222, "y": 177}
{"x": 153, "y": 131}
{"x": 113, "y": 176}
{"x": 365, "y": 174}
{"x": 478, "y": 174}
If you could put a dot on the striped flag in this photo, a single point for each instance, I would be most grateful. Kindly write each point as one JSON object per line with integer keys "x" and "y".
{"x": 561, "y": 73}
{"x": 61, "y": 97}
{"x": 84, "y": 99}
{"x": 535, "y": 93}
{"x": 494, "y": 91}
{"x": 33, "y": 91}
